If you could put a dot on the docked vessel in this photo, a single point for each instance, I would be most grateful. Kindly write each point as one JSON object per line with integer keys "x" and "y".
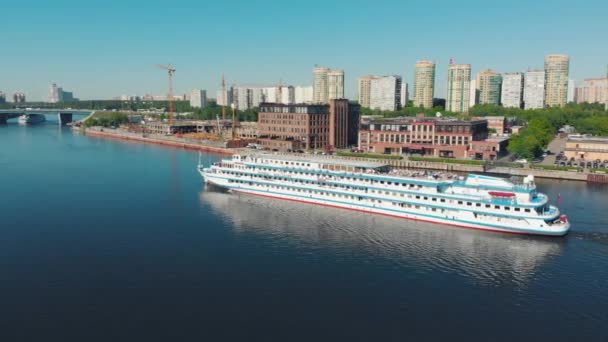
{"x": 30, "y": 119}
{"x": 474, "y": 201}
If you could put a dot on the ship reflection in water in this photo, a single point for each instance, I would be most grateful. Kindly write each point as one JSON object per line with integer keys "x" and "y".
{"x": 485, "y": 258}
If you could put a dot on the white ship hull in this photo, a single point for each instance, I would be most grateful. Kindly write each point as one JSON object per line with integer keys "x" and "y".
{"x": 462, "y": 219}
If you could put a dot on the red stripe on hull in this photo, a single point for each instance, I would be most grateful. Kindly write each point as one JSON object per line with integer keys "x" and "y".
{"x": 390, "y": 215}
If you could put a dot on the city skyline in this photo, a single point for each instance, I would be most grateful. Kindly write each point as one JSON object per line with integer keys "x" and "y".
{"x": 100, "y": 61}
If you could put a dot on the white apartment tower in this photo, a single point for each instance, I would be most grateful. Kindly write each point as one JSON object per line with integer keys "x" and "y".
{"x": 571, "y": 98}
{"x": 385, "y": 93}
{"x": 55, "y": 93}
{"x": 198, "y": 98}
{"x": 303, "y": 94}
{"x": 534, "y": 89}
{"x": 335, "y": 84}
{"x": 512, "y": 92}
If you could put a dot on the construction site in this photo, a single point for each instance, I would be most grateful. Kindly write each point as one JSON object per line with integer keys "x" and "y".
{"x": 228, "y": 132}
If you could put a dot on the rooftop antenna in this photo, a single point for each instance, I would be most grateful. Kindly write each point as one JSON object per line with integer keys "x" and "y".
{"x": 451, "y": 60}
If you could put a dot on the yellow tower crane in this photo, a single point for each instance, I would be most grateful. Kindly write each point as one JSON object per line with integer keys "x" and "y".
{"x": 170, "y": 72}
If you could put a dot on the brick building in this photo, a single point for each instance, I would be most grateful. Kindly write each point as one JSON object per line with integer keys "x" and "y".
{"x": 305, "y": 126}
{"x": 489, "y": 149}
{"x": 438, "y": 137}
{"x": 498, "y": 123}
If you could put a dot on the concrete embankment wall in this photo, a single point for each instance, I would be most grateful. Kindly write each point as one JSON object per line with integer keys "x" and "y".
{"x": 158, "y": 140}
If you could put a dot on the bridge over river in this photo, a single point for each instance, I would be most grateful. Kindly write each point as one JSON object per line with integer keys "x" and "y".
{"x": 64, "y": 116}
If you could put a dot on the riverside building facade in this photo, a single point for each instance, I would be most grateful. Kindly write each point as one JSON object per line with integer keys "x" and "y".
{"x": 446, "y": 138}
{"x": 302, "y": 126}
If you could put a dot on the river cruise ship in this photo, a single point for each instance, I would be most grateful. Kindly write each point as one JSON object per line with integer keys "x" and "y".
{"x": 474, "y": 201}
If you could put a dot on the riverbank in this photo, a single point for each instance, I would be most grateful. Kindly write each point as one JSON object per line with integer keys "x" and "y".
{"x": 220, "y": 148}
{"x": 190, "y": 144}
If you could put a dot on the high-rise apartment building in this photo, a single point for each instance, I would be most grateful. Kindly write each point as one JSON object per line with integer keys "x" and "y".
{"x": 319, "y": 84}
{"x": 364, "y": 90}
{"x": 287, "y": 95}
{"x": 571, "y": 91}
{"x": 55, "y": 93}
{"x": 489, "y": 83}
{"x": 474, "y": 95}
{"x": 198, "y": 98}
{"x": 19, "y": 97}
{"x": 424, "y": 84}
{"x": 534, "y": 89}
{"x": 593, "y": 90}
{"x": 257, "y": 96}
{"x": 385, "y": 93}
{"x": 224, "y": 98}
{"x": 335, "y": 84}
{"x": 459, "y": 88}
{"x": 328, "y": 84}
{"x": 303, "y": 94}
{"x": 512, "y": 92}
{"x": 271, "y": 94}
{"x": 2, "y": 98}
{"x": 241, "y": 97}
{"x": 556, "y": 80}
{"x": 405, "y": 93}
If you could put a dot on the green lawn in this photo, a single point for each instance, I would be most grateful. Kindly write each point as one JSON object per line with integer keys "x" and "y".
{"x": 367, "y": 155}
{"x": 449, "y": 160}
{"x": 556, "y": 168}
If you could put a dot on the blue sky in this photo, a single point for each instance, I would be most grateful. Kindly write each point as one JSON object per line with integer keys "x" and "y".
{"x": 102, "y": 49}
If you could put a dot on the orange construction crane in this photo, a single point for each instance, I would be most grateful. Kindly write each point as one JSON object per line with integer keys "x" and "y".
{"x": 170, "y": 71}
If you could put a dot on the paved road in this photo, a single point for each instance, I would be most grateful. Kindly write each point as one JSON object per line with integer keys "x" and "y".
{"x": 555, "y": 146}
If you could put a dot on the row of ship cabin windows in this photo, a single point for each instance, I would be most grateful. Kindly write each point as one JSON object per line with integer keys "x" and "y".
{"x": 425, "y": 198}
{"x": 373, "y": 181}
{"x": 443, "y": 200}
{"x": 348, "y": 197}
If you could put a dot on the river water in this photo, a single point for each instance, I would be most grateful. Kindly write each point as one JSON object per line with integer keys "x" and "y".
{"x": 108, "y": 240}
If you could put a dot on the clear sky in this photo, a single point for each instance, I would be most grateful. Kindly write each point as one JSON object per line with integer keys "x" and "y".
{"x": 102, "y": 49}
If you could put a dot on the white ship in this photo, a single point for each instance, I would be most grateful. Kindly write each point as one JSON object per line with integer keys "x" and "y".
{"x": 475, "y": 201}
{"x": 30, "y": 119}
